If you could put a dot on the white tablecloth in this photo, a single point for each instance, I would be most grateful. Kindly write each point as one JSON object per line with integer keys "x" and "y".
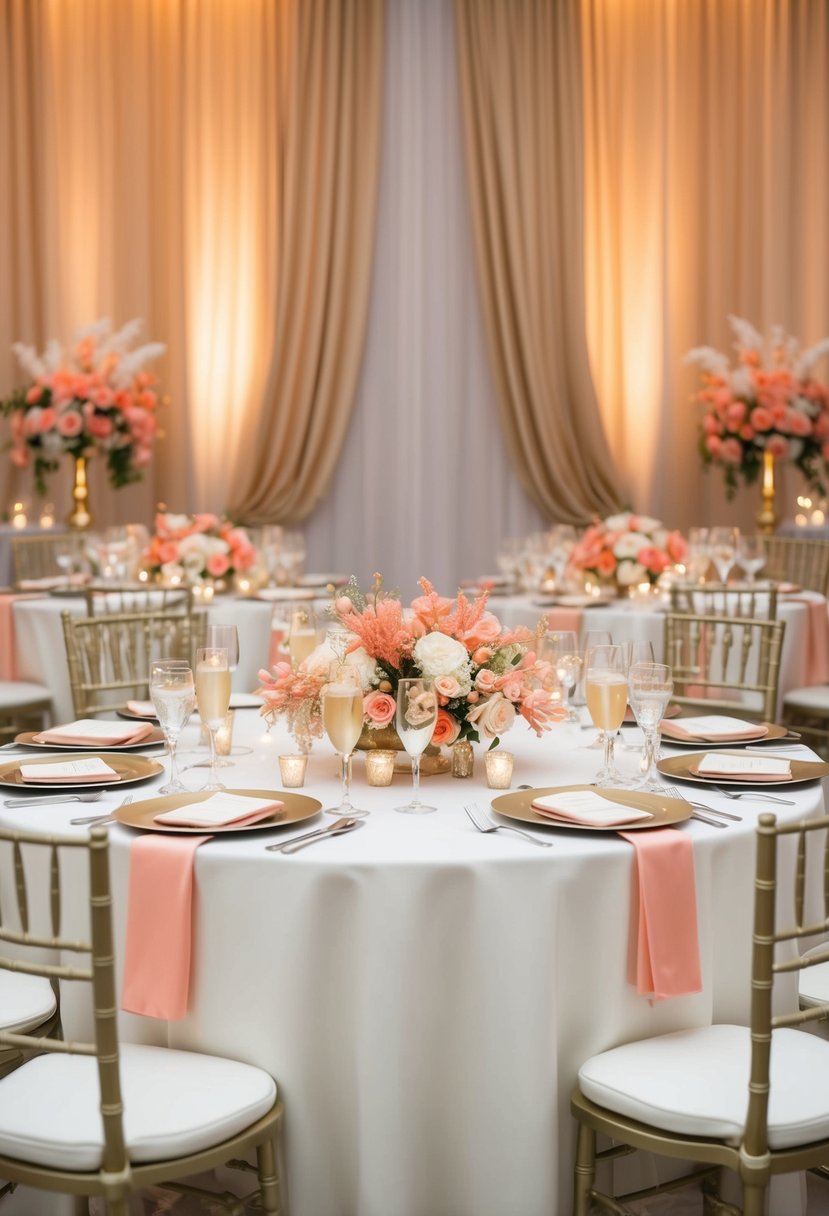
{"x": 41, "y": 654}
{"x": 628, "y": 620}
{"x": 424, "y": 993}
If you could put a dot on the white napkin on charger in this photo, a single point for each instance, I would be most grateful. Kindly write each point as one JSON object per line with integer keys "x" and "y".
{"x": 711, "y": 728}
{"x": 747, "y": 768}
{"x": 587, "y": 808}
{"x": 64, "y": 772}
{"x": 221, "y": 810}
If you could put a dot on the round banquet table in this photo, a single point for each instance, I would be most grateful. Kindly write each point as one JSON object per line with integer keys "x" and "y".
{"x": 424, "y": 993}
{"x": 41, "y": 654}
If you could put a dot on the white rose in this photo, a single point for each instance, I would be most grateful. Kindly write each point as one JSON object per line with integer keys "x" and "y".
{"x": 175, "y": 523}
{"x": 196, "y": 543}
{"x": 214, "y": 544}
{"x": 439, "y": 655}
{"x": 618, "y": 523}
{"x": 647, "y": 523}
{"x": 628, "y": 574}
{"x": 630, "y": 544}
{"x": 364, "y": 663}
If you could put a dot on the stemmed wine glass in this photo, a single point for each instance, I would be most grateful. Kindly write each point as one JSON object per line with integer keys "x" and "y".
{"x": 225, "y": 637}
{"x": 302, "y": 634}
{"x": 417, "y": 713}
{"x": 650, "y": 686}
{"x": 607, "y": 697}
{"x": 173, "y": 695}
{"x": 561, "y": 648}
{"x": 751, "y": 556}
{"x": 592, "y": 638}
{"x": 636, "y": 651}
{"x": 213, "y": 698}
{"x": 722, "y": 544}
{"x": 342, "y": 717}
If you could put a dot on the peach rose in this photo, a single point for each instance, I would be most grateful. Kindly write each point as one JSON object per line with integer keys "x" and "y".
{"x": 485, "y": 680}
{"x": 446, "y": 729}
{"x": 731, "y": 451}
{"x": 168, "y": 551}
{"x": 218, "y": 565}
{"x": 379, "y": 708}
{"x": 778, "y": 446}
{"x": 487, "y": 630}
{"x": 606, "y": 563}
{"x": 447, "y": 686}
{"x": 761, "y": 419}
{"x": 492, "y": 717}
{"x": 100, "y": 427}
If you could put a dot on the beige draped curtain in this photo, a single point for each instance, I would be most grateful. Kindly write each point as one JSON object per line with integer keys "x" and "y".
{"x": 707, "y": 173}
{"x": 212, "y": 168}
{"x": 521, "y": 88}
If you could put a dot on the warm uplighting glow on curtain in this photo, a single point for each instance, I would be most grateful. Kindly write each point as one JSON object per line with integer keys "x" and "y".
{"x": 706, "y": 174}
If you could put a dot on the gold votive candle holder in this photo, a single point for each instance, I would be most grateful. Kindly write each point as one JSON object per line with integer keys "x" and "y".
{"x": 463, "y": 759}
{"x": 224, "y": 735}
{"x": 380, "y": 766}
{"x": 292, "y": 769}
{"x": 499, "y": 767}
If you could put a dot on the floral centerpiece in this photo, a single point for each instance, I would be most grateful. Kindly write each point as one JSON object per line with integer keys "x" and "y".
{"x": 92, "y": 396}
{"x": 189, "y": 548}
{"x": 769, "y": 402}
{"x": 626, "y": 550}
{"x": 485, "y": 677}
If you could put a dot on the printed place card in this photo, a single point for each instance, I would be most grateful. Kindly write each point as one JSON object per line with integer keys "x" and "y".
{"x": 583, "y": 806}
{"x": 62, "y": 772}
{"x": 752, "y": 768}
{"x": 714, "y": 726}
{"x": 221, "y": 810}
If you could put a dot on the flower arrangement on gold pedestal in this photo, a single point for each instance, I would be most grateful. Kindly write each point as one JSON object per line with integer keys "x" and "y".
{"x": 93, "y": 396}
{"x": 189, "y": 548}
{"x": 625, "y": 551}
{"x": 769, "y": 402}
{"x": 485, "y": 677}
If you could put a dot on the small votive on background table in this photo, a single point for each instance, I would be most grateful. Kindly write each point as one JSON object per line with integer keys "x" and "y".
{"x": 224, "y": 735}
{"x": 292, "y": 769}
{"x": 499, "y": 769}
{"x": 380, "y": 766}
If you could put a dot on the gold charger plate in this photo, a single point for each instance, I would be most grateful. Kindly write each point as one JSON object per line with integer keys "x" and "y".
{"x": 129, "y": 768}
{"x": 773, "y": 731}
{"x": 680, "y": 768}
{"x": 153, "y": 739}
{"x": 133, "y": 717}
{"x": 142, "y": 814}
{"x": 664, "y": 810}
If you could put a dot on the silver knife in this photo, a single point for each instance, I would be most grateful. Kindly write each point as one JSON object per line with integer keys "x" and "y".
{"x": 299, "y": 842}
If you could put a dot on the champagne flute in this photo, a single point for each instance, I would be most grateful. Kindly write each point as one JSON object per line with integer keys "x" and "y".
{"x": 213, "y": 698}
{"x": 592, "y": 638}
{"x": 650, "y": 686}
{"x": 342, "y": 717}
{"x": 722, "y": 543}
{"x": 607, "y": 697}
{"x": 751, "y": 556}
{"x": 226, "y": 637}
{"x": 417, "y": 713}
{"x": 561, "y": 649}
{"x": 173, "y": 695}
{"x": 302, "y": 634}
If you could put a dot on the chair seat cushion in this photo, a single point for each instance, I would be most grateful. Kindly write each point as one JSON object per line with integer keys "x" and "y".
{"x": 25, "y": 1001}
{"x": 695, "y": 1083}
{"x": 175, "y": 1103}
{"x": 20, "y": 694}
{"x": 813, "y": 986}
{"x": 814, "y": 699}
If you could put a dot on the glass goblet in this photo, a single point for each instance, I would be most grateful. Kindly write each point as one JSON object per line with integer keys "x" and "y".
{"x": 650, "y": 686}
{"x": 561, "y": 649}
{"x": 342, "y": 717}
{"x": 417, "y": 713}
{"x": 607, "y": 696}
{"x": 751, "y": 556}
{"x": 173, "y": 695}
{"x": 226, "y": 637}
{"x": 212, "y": 698}
{"x": 722, "y": 546}
{"x": 592, "y": 638}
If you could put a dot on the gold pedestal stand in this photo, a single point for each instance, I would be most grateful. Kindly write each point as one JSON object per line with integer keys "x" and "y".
{"x": 79, "y": 518}
{"x": 767, "y": 518}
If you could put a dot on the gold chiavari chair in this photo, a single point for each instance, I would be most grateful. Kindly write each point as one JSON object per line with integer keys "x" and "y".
{"x": 752, "y": 1099}
{"x": 37, "y": 557}
{"x": 718, "y": 599}
{"x": 807, "y": 710}
{"x": 802, "y": 562}
{"x": 109, "y": 657}
{"x": 106, "y": 1120}
{"x": 725, "y": 663}
{"x": 105, "y": 599}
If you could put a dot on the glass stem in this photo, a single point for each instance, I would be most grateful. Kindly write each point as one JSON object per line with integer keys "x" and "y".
{"x": 609, "y": 742}
{"x": 415, "y": 780}
{"x": 213, "y": 781}
{"x": 345, "y": 780}
{"x": 171, "y": 747}
{"x": 648, "y": 755}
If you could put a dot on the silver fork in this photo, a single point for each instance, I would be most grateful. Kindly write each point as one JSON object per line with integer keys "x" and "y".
{"x": 720, "y": 816}
{"x": 92, "y": 796}
{"x": 101, "y": 820}
{"x": 752, "y": 795}
{"x": 484, "y": 824}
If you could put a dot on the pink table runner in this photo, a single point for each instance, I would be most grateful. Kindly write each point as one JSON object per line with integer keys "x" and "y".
{"x": 159, "y": 925}
{"x": 664, "y": 955}
{"x": 8, "y": 644}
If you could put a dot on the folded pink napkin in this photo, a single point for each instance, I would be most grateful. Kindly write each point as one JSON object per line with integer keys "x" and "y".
{"x": 95, "y": 732}
{"x": 159, "y": 925}
{"x": 142, "y": 709}
{"x": 664, "y": 956}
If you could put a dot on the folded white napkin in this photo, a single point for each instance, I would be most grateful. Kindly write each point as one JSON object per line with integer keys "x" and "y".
{"x": 585, "y": 807}
{"x": 711, "y": 728}
{"x": 220, "y": 810}
{"x": 63, "y": 772}
{"x": 95, "y": 732}
{"x": 142, "y": 709}
{"x": 748, "y": 768}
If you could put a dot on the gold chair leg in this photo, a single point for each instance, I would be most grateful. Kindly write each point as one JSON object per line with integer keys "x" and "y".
{"x": 585, "y": 1171}
{"x": 754, "y": 1200}
{"x": 269, "y": 1179}
{"x": 118, "y": 1207}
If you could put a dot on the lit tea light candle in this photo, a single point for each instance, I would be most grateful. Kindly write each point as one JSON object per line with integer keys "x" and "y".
{"x": 380, "y": 766}
{"x": 499, "y": 767}
{"x": 47, "y": 515}
{"x": 19, "y": 519}
{"x": 243, "y": 586}
{"x": 292, "y": 770}
{"x": 224, "y": 735}
{"x": 143, "y": 576}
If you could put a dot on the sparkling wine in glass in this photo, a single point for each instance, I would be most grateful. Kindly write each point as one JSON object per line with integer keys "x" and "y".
{"x": 591, "y": 638}
{"x": 650, "y": 687}
{"x": 213, "y": 698}
{"x": 722, "y": 545}
{"x": 302, "y": 634}
{"x": 173, "y": 695}
{"x": 606, "y": 689}
{"x": 226, "y": 637}
{"x": 342, "y": 717}
{"x": 417, "y": 713}
{"x": 561, "y": 649}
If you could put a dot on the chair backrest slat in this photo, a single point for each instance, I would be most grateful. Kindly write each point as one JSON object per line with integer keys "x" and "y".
{"x": 719, "y": 599}
{"x": 804, "y": 562}
{"x": 20, "y": 887}
{"x": 725, "y": 662}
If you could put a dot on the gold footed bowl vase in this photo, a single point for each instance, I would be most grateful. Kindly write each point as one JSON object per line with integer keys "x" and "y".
{"x": 80, "y": 518}
{"x": 387, "y": 739}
